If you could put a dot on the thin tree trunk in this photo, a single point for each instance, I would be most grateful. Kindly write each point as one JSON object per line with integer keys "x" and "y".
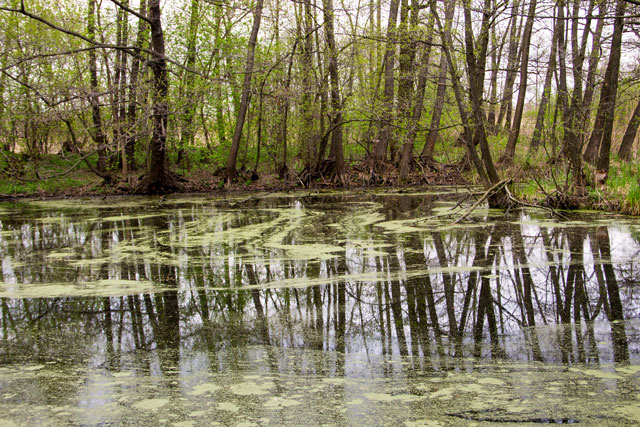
{"x": 337, "y": 153}
{"x": 512, "y": 56}
{"x": 546, "y": 92}
{"x": 418, "y": 105}
{"x": 98, "y": 132}
{"x": 131, "y": 134}
{"x": 434, "y": 127}
{"x": 496, "y": 54}
{"x": 309, "y": 154}
{"x": 447, "y": 46}
{"x": 563, "y": 92}
{"x": 188, "y": 92}
{"x": 510, "y": 150}
{"x": 386, "y": 121}
{"x": 231, "y": 171}
{"x": 476, "y": 57}
{"x": 573, "y": 119}
{"x": 630, "y": 135}
{"x": 594, "y": 58}
{"x": 611, "y": 95}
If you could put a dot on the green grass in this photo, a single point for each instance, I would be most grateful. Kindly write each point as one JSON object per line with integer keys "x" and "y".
{"x": 19, "y": 177}
{"x": 623, "y": 184}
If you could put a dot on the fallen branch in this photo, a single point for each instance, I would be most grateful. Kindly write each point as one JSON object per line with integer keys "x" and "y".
{"x": 66, "y": 172}
{"x": 491, "y": 191}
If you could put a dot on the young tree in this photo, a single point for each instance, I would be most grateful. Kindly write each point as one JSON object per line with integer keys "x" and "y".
{"x": 337, "y": 153}
{"x": 98, "y": 132}
{"x": 386, "y": 121}
{"x": 231, "y": 171}
{"x": 510, "y": 149}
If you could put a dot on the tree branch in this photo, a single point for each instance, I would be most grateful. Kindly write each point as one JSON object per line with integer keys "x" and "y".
{"x": 131, "y": 11}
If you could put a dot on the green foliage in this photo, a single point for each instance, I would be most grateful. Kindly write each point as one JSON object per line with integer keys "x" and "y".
{"x": 624, "y": 185}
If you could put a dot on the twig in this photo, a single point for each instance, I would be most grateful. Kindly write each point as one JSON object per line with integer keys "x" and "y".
{"x": 531, "y": 205}
{"x": 484, "y": 197}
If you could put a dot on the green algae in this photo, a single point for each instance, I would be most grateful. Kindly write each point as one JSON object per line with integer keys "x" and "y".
{"x": 251, "y": 388}
{"x": 387, "y": 397}
{"x": 227, "y": 406}
{"x": 150, "y": 404}
{"x": 103, "y": 288}
{"x": 307, "y": 251}
{"x": 204, "y": 388}
{"x": 132, "y": 217}
{"x": 280, "y": 402}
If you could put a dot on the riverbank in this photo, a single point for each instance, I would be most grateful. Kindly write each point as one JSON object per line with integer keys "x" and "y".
{"x": 56, "y": 176}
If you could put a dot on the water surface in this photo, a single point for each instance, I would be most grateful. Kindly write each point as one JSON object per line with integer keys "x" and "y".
{"x": 322, "y": 308}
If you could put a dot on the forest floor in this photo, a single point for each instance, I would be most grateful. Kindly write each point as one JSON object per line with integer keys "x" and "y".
{"x": 54, "y": 176}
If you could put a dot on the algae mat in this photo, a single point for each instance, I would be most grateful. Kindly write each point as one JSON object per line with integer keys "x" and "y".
{"x": 342, "y": 392}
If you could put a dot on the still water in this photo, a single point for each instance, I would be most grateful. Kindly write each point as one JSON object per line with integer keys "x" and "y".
{"x": 323, "y": 308}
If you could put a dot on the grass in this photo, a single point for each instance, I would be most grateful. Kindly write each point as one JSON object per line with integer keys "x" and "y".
{"x": 13, "y": 166}
{"x": 623, "y": 185}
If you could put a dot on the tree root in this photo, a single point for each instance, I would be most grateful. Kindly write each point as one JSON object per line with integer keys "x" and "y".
{"x": 150, "y": 185}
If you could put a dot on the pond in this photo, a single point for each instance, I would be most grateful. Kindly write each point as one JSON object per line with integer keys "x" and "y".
{"x": 316, "y": 308}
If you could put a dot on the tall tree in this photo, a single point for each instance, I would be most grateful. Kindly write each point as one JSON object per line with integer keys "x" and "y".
{"x": 610, "y": 95}
{"x": 512, "y": 55}
{"x": 418, "y": 104}
{"x": 510, "y": 149}
{"x": 337, "y": 153}
{"x": 188, "y": 82}
{"x": 388, "y": 61}
{"x": 134, "y": 76}
{"x": 157, "y": 178}
{"x": 98, "y": 131}
{"x": 231, "y": 171}
{"x": 546, "y": 92}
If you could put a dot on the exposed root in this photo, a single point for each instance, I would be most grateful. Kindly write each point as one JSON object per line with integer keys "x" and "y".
{"x": 168, "y": 183}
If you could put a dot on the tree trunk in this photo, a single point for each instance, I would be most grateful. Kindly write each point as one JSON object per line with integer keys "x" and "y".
{"x": 309, "y": 148}
{"x": 447, "y": 48}
{"x": 546, "y": 92}
{"x": 98, "y": 132}
{"x": 386, "y": 121}
{"x": 132, "y": 131}
{"x": 630, "y": 135}
{"x": 512, "y": 56}
{"x": 284, "y": 114}
{"x": 563, "y": 92}
{"x": 611, "y": 95}
{"x": 510, "y": 150}
{"x": 434, "y": 127}
{"x": 418, "y": 105}
{"x": 188, "y": 92}
{"x": 157, "y": 179}
{"x": 496, "y": 54}
{"x": 476, "y": 57}
{"x": 574, "y": 117}
{"x": 231, "y": 171}
{"x": 593, "y": 61}
{"x": 337, "y": 153}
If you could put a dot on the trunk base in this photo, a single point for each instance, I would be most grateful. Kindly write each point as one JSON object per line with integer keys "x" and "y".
{"x": 149, "y": 184}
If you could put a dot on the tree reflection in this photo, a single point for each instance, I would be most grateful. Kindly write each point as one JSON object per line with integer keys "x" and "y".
{"x": 521, "y": 292}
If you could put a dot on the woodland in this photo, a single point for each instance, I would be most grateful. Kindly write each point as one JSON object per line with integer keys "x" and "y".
{"x": 148, "y": 96}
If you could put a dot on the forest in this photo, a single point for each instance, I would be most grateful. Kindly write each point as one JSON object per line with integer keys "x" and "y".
{"x": 148, "y": 96}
